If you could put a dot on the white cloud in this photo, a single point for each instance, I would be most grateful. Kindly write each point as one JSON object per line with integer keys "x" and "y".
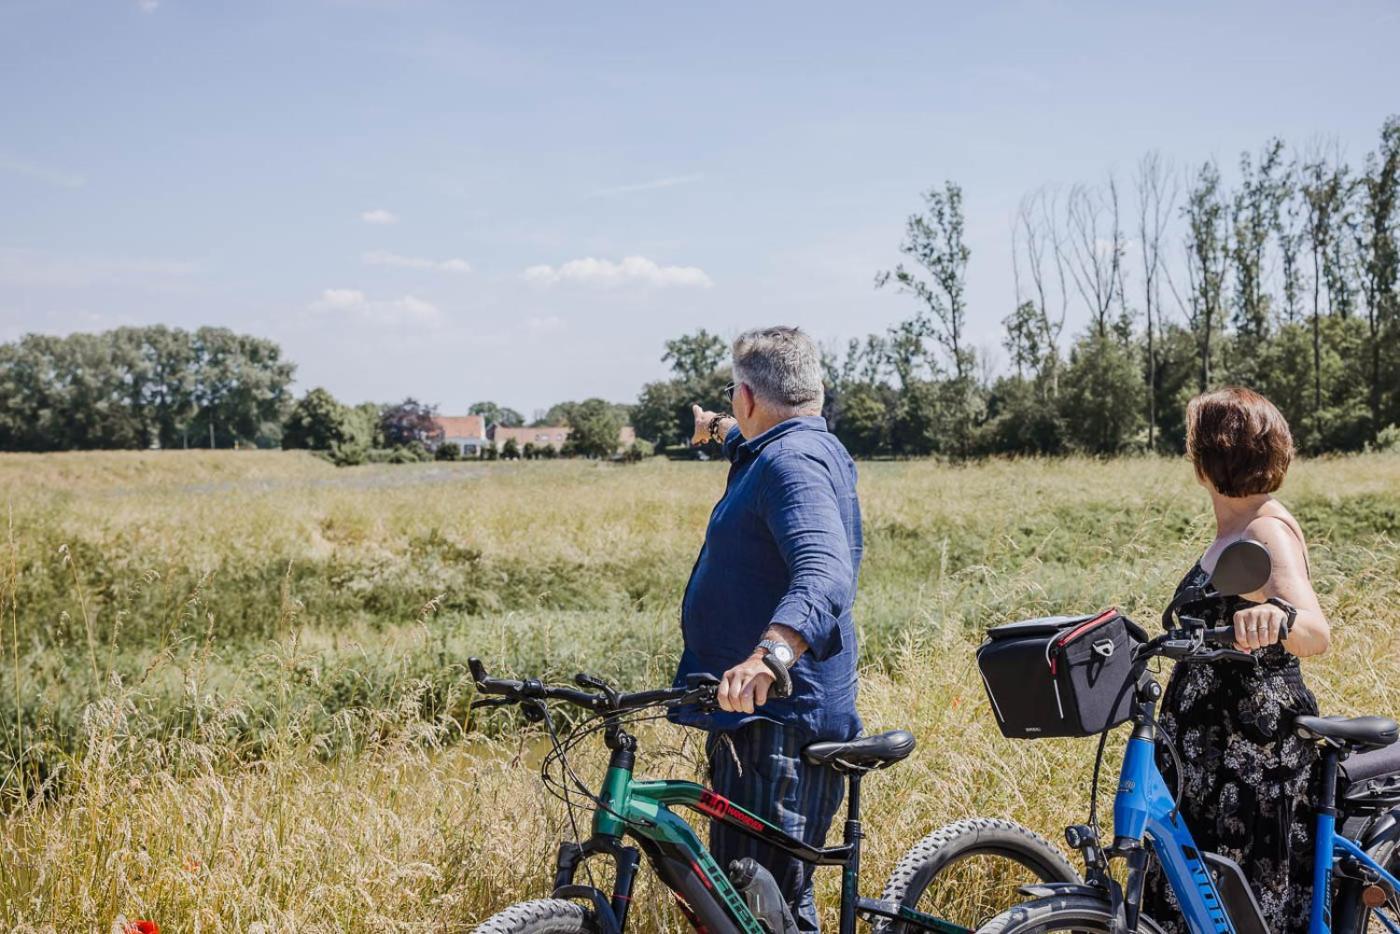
{"x": 379, "y": 216}
{"x": 341, "y": 298}
{"x": 549, "y": 324}
{"x": 385, "y": 258}
{"x": 607, "y": 273}
{"x": 49, "y": 176}
{"x": 409, "y": 310}
{"x": 668, "y": 182}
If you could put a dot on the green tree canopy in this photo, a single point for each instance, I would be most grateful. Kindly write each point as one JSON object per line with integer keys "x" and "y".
{"x": 139, "y": 387}
{"x": 318, "y": 422}
{"x": 595, "y": 424}
{"x": 497, "y": 414}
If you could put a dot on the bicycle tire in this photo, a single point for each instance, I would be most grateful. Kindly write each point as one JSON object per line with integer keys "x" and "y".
{"x": 541, "y": 916}
{"x": 940, "y": 850}
{"x": 1386, "y": 854}
{"x": 1061, "y": 913}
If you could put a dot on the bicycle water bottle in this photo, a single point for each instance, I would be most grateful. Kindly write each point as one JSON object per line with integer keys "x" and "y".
{"x": 762, "y": 895}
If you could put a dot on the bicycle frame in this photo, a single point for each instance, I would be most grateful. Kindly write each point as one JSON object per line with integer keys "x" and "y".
{"x": 1145, "y": 808}
{"x": 641, "y": 811}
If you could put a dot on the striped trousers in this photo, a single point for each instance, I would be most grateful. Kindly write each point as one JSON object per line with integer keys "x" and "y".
{"x": 764, "y": 774}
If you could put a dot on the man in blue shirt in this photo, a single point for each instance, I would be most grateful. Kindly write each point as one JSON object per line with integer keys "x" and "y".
{"x": 770, "y": 596}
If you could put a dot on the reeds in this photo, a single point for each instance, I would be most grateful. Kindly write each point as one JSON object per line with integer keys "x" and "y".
{"x": 237, "y": 698}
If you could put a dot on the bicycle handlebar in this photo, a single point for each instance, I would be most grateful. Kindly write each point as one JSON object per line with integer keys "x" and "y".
{"x": 699, "y": 689}
{"x": 1196, "y": 642}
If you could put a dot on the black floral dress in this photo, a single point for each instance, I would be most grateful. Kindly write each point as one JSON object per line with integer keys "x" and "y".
{"x": 1247, "y": 782}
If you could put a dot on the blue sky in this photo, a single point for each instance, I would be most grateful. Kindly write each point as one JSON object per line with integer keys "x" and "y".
{"x": 521, "y": 201}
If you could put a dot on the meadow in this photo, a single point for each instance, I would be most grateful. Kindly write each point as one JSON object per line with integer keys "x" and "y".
{"x": 233, "y": 689}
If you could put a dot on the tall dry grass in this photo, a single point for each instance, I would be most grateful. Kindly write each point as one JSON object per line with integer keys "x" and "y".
{"x": 233, "y": 696}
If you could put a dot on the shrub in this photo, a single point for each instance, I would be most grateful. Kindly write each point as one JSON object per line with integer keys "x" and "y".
{"x": 639, "y": 450}
{"x": 447, "y": 451}
{"x": 1388, "y": 440}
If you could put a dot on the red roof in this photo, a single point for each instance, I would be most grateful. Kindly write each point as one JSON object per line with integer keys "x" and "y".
{"x": 461, "y": 426}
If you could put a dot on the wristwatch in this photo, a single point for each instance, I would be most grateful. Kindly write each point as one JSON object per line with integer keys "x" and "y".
{"x": 715, "y": 434}
{"x": 780, "y": 651}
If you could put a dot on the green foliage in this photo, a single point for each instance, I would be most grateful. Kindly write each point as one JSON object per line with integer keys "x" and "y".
{"x": 529, "y": 452}
{"x": 861, "y": 417}
{"x": 141, "y": 387}
{"x": 447, "y": 452}
{"x": 318, "y": 422}
{"x": 638, "y": 451}
{"x": 1102, "y": 395}
{"x": 510, "y": 451}
{"x": 497, "y": 414}
{"x": 595, "y": 425}
{"x": 662, "y": 414}
{"x": 695, "y": 356}
{"x": 1022, "y": 420}
{"x": 1388, "y": 440}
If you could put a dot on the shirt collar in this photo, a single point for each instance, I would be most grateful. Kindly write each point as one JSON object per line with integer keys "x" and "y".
{"x": 800, "y": 423}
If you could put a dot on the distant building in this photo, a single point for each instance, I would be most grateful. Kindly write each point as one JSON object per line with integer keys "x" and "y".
{"x": 467, "y": 432}
{"x": 551, "y": 435}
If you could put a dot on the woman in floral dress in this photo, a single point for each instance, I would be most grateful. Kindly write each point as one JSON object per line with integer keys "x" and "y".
{"x": 1246, "y": 785}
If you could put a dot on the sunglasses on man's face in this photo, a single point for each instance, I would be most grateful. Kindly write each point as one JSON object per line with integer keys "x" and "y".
{"x": 729, "y": 392}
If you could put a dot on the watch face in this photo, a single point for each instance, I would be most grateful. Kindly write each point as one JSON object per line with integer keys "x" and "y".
{"x": 783, "y": 653}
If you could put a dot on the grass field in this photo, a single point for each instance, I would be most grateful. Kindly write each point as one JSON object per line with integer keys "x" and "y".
{"x": 233, "y": 691}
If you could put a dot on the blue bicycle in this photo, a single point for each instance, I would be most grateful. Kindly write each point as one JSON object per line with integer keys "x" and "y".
{"x": 1358, "y": 810}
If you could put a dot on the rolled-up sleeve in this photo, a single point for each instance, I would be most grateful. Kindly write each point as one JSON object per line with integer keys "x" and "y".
{"x": 802, "y": 511}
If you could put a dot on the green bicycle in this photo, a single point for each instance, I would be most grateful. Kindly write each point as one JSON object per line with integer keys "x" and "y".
{"x": 979, "y": 864}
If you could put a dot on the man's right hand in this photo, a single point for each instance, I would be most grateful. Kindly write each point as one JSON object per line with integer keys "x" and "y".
{"x": 703, "y": 419}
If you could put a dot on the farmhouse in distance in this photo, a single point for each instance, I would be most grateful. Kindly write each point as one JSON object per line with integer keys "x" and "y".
{"x": 472, "y": 436}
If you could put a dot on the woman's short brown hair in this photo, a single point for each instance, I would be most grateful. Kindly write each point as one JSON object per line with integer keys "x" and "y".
{"x": 1238, "y": 441}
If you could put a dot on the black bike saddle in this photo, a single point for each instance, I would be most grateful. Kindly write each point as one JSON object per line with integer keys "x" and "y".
{"x": 863, "y": 754}
{"x": 1356, "y": 732}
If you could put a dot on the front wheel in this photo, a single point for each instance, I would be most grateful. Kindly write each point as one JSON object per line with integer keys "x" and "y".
{"x": 1061, "y": 913}
{"x": 542, "y": 916}
{"x": 971, "y": 870}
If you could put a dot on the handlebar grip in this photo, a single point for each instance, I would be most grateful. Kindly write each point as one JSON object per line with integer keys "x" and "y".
{"x": 1225, "y": 635}
{"x": 488, "y": 685}
{"x": 782, "y": 678}
{"x": 1220, "y": 635}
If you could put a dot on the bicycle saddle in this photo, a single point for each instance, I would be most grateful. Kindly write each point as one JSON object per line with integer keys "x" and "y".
{"x": 1356, "y": 732}
{"x": 863, "y": 754}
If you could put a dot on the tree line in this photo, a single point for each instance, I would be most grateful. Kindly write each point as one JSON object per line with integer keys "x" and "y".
{"x": 147, "y": 387}
{"x": 1286, "y": 280}
{"x": 141, "y": 387}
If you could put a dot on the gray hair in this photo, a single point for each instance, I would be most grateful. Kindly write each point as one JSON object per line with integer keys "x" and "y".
{"x": 782, "y": 366}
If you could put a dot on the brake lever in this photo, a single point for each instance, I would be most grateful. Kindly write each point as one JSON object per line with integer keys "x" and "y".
{"x": 598, "y": 684}
{"x": 1232, "y": 654}
{"x": 490, "y": 702}
{"x": 535, "y": 711}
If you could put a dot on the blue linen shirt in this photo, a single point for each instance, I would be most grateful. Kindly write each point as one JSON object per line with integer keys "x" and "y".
{"x": 783, "y": 546}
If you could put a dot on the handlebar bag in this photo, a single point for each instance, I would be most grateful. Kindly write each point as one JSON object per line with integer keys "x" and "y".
{"x": 1061, "y": 675}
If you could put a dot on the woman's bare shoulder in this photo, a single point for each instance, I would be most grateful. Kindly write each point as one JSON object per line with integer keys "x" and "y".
{"x": 1276, "y": 527}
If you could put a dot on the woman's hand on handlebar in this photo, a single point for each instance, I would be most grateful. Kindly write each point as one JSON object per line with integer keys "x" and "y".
{"x": 1258, "y": 626}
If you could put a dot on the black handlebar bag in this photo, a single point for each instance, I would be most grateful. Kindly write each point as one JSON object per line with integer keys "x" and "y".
{"x": 1061, "y": 675}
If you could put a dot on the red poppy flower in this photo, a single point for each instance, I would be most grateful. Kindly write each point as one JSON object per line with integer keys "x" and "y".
{"x": 141, "y": 927}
